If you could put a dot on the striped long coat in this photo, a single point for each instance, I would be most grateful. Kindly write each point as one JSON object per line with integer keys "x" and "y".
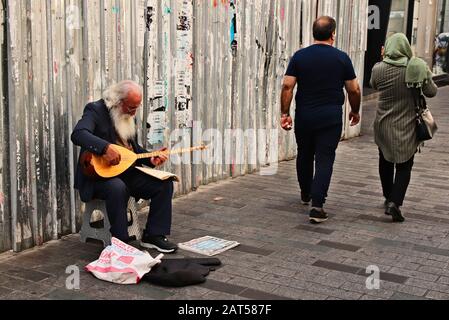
{"x": 395, "y": 123}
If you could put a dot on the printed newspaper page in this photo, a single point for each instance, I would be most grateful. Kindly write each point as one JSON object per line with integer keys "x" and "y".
{"x": 209, "y": 246}
{"x": 158, "y": 174}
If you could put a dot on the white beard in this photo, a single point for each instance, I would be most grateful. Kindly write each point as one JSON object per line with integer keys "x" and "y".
{"x": 124, "y": 124}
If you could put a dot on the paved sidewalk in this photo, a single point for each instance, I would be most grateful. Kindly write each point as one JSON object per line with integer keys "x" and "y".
{"x": 282, "y": 256}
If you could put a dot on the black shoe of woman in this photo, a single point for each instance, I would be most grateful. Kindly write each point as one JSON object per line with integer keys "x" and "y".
{"x": 394, "y": 211}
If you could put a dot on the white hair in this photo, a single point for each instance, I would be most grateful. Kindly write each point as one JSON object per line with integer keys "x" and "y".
{"x": 115, "y": 94}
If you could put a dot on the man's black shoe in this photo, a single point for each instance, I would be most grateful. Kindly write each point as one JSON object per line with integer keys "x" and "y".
{"x": 318, "y": 216}
{"x": 394, "y": 211}
{"x": 160, "y": 243}
{"x": 305, "y": 198}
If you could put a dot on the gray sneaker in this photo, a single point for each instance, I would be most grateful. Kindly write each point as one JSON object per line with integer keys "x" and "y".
{"x": 318, "y": 215}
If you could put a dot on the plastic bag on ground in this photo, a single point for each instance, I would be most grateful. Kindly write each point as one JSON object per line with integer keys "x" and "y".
{"x": 122, "y": 264}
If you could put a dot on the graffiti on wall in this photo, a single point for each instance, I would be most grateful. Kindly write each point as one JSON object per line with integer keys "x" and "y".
{"x": 233, "y": 17}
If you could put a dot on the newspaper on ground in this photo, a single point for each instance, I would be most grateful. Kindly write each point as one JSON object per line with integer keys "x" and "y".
{"x": 208, "y": 245}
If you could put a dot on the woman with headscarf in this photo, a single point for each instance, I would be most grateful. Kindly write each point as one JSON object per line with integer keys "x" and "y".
{"x": 394, "y": 128}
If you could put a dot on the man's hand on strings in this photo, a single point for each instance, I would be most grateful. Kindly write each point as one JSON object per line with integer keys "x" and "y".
{"x": 111, "y": 156}
{"x": 159, "y": 160}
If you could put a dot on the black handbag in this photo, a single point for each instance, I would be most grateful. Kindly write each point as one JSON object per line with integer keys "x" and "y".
{"x": 426, "y": 126}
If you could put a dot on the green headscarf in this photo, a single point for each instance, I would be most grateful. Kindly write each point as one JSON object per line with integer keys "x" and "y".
{"x": 398, "y": 52}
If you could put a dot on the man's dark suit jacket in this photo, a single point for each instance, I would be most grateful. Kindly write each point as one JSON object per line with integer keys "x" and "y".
{"x": 94, "y": 132}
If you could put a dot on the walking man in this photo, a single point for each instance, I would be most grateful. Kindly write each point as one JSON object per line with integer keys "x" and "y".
{"x": 320, "y": 72}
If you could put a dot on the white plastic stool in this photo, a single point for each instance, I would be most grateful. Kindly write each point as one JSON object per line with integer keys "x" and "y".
{"x": 95, "y": 213}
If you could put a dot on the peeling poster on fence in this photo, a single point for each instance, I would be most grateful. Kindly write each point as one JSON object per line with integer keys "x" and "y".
{"x": 184, "y": 64}
{"x": 158, "y": 123}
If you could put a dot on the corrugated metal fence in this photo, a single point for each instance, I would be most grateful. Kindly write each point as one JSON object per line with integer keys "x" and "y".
{"x": 215, "y": 64}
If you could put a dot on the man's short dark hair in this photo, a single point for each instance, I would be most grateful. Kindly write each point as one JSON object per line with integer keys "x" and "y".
{"x": 323, "y": 28}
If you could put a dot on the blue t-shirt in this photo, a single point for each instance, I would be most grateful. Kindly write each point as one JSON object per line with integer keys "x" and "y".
{"x": 321, "y": 71}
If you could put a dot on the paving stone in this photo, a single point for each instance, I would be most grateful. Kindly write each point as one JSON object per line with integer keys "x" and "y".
{"x": 253, "y": 284}
{"x": 373, "y": 218}
{"x": 315, "y": 229}
{"x": 19, "y": 272}
{"x": 443, "y": 208}
{"x": 5, "y": 291}
{"x": 223, "y": 287}
{"x": 324, "y": 280}
{"x": 333, "y": 292}
{"x": 436, "y": 186}
{"x": 427, "y": 249}
{"x": 391, "y": 277}
{"x": 299, "y": 294}
{"x": 100, "y": 293}
{"x": 253, "y": 250}
{"x": 284, "y": 272}
{"x": 147, "y": 290}
{"x": 260, "y": 295}
{"x": 281, "y": 208}
{"x": 370, "y": 193}
{"x": 393, "y": 243}
{"x": 19, "y": 295}
{"x": 286, "y": 281}
{"x": 249, "y": 272}
{"x": 213, "y": 295}
{"x": 190, "y": 291}
{"x": 191, "y": 212}
{"x": 428, "y": 285}
{"x": 31, "y": 288}
{"x": 404, "y": 288}
{"x": 414, "y": 274}
{"x": 339, "y": 246}
{"x": 370, "y": 298}
{"x": 438, "y": 295}
{"x": 220, "y": 276}
{"x": 362, "y": 288}
{"x": 427, "y": 218}
{"x": 64, "y": 294}
{"x": 352, "y": 184}
{"x": 337, "y": 267}
{"x": 404, "y": 296}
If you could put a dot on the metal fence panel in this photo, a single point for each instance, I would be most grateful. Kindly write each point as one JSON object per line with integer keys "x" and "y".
{"x": 203, "y": 64}
{"x": 5, "y": 217}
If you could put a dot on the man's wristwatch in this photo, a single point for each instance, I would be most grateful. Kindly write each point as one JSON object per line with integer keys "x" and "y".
{"x": 285, "y": 115}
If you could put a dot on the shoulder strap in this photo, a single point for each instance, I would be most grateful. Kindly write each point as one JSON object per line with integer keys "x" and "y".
{"x": 422, "y": 102}
{"x": 418, "y": 99}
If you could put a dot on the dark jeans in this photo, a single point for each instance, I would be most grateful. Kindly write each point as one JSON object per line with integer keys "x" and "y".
{"x": 116, "y": 193}
{"x": 395, "y": 186}
{"x": 316, "y": 146}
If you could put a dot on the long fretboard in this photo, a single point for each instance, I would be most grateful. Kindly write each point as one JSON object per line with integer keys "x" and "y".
{"x": 169, "y": 152}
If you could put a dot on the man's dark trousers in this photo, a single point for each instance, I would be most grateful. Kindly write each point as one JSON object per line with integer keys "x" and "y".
{"x": 316, "y": 145}
{"x": 116, "y": 193}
